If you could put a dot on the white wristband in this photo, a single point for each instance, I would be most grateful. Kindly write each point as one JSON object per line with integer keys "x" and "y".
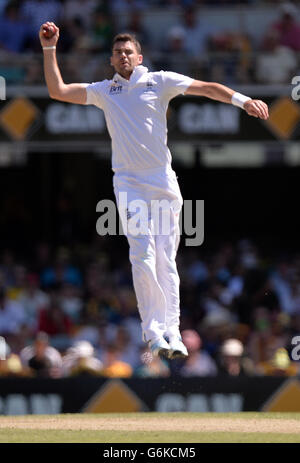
{"x": 239, "y": 100}
{"x": 49, "y": 48}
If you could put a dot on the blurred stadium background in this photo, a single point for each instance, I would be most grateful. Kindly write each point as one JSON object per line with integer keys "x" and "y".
{"x": 70, "y": 333}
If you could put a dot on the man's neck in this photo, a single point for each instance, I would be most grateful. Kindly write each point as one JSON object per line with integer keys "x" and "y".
{"x": 126, "y": 76}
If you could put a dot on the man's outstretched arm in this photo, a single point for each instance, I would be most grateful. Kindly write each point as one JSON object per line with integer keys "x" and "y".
{"x": 219, "y": 92}
{"x": 71, "y": 93}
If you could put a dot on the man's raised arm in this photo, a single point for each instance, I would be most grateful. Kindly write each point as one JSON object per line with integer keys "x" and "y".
{"x": 219, "y": 92}
{"x": 71, "y": 93}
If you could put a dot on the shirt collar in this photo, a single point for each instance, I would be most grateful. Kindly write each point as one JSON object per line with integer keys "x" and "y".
{"x": 137, "y": 73}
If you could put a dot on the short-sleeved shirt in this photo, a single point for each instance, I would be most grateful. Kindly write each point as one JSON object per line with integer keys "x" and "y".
{"x": 135, "y": 113}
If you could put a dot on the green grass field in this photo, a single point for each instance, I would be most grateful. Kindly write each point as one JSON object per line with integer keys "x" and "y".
{"x": 152, "y": 428}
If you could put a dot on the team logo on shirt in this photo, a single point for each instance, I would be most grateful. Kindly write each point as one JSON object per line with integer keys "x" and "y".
{"x": 115, "y": 89}
{"x": 149, "y": 86}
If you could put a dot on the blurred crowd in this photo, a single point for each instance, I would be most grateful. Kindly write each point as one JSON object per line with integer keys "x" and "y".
{"x": 190, "y": 44}
{"x": 70, "y": 311}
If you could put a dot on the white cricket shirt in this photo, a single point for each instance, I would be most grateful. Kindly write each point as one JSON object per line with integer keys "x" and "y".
{"x": 135, "y": 113}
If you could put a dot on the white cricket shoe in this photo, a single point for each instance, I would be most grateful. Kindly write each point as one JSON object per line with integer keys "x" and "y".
{"x": 178, "y": 349}
{"x": 160, "y": 347}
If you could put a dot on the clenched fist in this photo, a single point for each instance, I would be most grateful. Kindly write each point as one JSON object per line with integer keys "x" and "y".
{"x": 45, "y": 40}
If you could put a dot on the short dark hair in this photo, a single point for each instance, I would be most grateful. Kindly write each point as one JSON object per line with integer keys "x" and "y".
{"x": 126, "y": 37}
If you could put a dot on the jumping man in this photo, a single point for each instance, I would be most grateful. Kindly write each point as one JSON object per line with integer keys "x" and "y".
{"x": 135, "y": 102}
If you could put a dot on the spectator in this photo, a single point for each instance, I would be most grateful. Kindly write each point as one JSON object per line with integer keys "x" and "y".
{"x": 101, "y": 32}
{"x": 215, "y": 304}
{"x": 74, "y": 39}
{"x": 80, "y": 359}
{"x": 10, "y": 363}
{"x": 269, "y": 333}
{"x": 113, "y": 367}
{"x": 37, "y": 12}
{"x": 236, "y": 281}
{"x": 230, "y": 60}
{"x": 232, "y": 362}
{"x": 103, "y": 305}
{"x": 15, "y": 33}
{"x": 198, "y": 363}
{"x": 33, "y": 70}
{"x": 196, "y": 33}
{"x": 71, "y": 302}
{"x": 33, "y": 299}
{"x": 279, "y": 364}
{"x": 175, "y": 58}
{"x": 79, "y": 9}
{"x": 287, "y": 27}
{"x": 62, "y": 272}
{"x": 17, "y": 290}
{"x": 12, "y": 315}
{"x": 291, "y": 296}
{"x": 282, "y": 281}
{"x": 257, "y": 292}
{"x": 276, "y": 63}
{"x": 195, "y": 273}
{"x": 213, "y": 329}
{"x": 129, "y": 350}
{"x": 135, "y": 27}
{"x": 56, "y": 324}
{"x": 41, "y": 358}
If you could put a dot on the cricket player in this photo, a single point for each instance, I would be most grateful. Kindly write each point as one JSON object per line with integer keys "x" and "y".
{"x": 135, "y": 102}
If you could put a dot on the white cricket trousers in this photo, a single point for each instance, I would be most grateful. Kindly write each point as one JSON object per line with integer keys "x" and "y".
{"x": 153, "y": 252}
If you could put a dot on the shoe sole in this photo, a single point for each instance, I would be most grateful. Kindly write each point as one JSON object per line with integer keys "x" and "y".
{"x": 178, "y": 354}
{"x": 162, "y": 352}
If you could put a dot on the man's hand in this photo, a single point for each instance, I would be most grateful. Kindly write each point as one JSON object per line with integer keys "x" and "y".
{"x": 257, "y": 108}
{"x": 46, "y": 42}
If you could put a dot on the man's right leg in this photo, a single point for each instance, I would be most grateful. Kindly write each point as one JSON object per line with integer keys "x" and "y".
{"x": 151, "y": 300}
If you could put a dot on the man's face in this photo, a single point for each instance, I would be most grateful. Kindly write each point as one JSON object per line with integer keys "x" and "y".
{"x": 125, "y": 58}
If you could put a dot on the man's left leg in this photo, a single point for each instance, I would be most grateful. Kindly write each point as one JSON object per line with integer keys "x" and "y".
{"x": 166, "y": 269}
